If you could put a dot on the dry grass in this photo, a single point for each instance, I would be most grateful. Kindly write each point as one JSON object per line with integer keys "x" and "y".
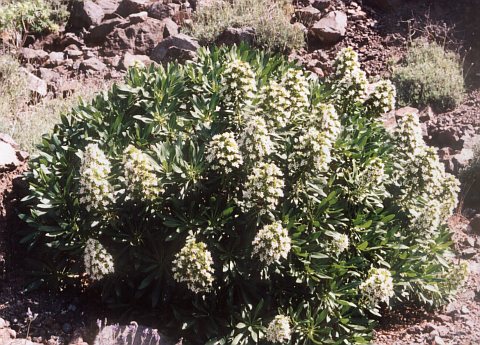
{"x": 269, "y": 18}
{"x": 26, "y": 122}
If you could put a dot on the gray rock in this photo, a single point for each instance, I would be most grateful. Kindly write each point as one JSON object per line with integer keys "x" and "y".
{"x": 35, "y": 84}
{"x": 56, "y": 58}
{"x": 462, "y": 159}
{"x": 100, "y": 32}
{"x": 3, "y": 323}
{"x": 231, "y": 36}
{"x": 331, "y": 28}
{"x": 171, "y": 28}
{"x": 127, "y": 7}
{"x": 308, "y": 15}
{"x": 139, "y": 17}
{"x": 129, "y": 60}
{"x": 108, "y": 6}
{"x": 92, "y": 64}
{"x": 130, "y": 335}
{"x": 85, "y": 14}
{"x": 180, "y": 47}
{"x": 49, "y": 75}
{"x": 33, "y": 55}
{"x": 438, "y": 340}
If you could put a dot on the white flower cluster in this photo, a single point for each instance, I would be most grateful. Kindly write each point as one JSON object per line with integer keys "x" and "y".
{"x": 429, "y": 194}
{"x": 140, "y": 175}
{"x": 95, "y": 191}
{"x": 349, "y": 82}
{"x": 381, "y": 98}
{"x": 340, "y": 243}
{"x": 98, "y": 262}
{"x": 378, "y": 287}
{"x": 297, "y": 85}
{"x": 193, "y": 265}
{"x": 370, "y": 180}
{"x": 223, "y": 153}
{"x": 271, "y": 243}
{"x": 264, "y": 187}
{"x": 275, "y": 104}
{"x": 329, "y": 121}
{"x": 313, "y": 146}
{"x": 408, "y": 135}
{"x": 239, "y": 84}
{"x": 278, "y": 330}
{"x": 255, "y": 139}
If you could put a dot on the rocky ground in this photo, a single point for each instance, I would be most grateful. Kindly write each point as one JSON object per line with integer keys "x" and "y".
{"x": 104, "y": 37}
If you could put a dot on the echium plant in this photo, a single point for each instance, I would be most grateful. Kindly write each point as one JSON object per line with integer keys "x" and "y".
{"x": 246, "y": 201}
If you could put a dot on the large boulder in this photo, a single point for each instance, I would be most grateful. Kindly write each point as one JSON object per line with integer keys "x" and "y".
{"x": 139, "y": 38}
{"x": 108, "y": 6}
{"x": 85, "y": 14}
{"x": 331, "y": 28}
{"x": 180, "y": 48}
{"x": 33, "y": 55}
{"x": 159, "y": 10}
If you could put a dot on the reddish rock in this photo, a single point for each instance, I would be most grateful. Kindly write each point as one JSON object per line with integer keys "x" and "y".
{"x": 331, "y": 28}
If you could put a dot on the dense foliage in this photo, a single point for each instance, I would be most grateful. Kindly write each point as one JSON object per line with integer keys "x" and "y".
{"x": 246, "y": 201}
{"x": 30, "y": 16}
{"x": 429, "y": 75}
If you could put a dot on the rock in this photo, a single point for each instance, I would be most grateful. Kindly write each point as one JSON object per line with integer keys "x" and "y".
{"x": 180, "y": 47}
{"x": 136, "y": 18}
{"x": 475, "y": 224}
{"x": 56, "y": 58}
{"x": 308, "y": 15}
{"x": 469, "y": 253}
{"x": 33, "y": 55}
{"x": 462, "y": 159}
{"x": 427, "y": 115}
{"x": 92, "y": 64}
{"x": 35, "y": 84}
{"x": 159, "y": 10}
{"x": 100, "y": 32}
{"x": 127, "y": 7}
{"x": 85, "y": 14}
{"x": 331, "y": 28}
{"x": 138, "y": 39}
{"x": 386, "y": 5}
{"x": 130, "y": 335}
{"x": 129, "y": 60}
{"x": 49, "y": 75}
{"x": 401, "y": 112}
{"x": 321, "y": 5}
{"x": 171, "y": 28}
{"x": 108, "y": 6}
{"x": 74, "y": 53}
{"x": 21, "y": 342}
{"x": 231, "y": 36}
{"x": 3, "y": 323}
{"x": 447, "y": 137}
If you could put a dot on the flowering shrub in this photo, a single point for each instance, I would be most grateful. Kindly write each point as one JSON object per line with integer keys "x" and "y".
{"x": 269, "y": 208}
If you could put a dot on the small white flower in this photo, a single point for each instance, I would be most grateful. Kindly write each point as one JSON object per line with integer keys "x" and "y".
{"x": 378, "y": 287}
{"x": 340, "y": 243}
{"x": 381, "y": 98}
{"x": 349, "y": 82}
{"x": 271, "y": 243}
{"x": 193, "y": 265}
{"x": 278, "y": 330}
{"x": 275, "y": 104}
{"x": 98, "y": 262}
{"x": 255, "y": 139}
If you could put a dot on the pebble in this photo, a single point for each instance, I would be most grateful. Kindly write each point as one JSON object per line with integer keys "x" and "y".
{"x": 465, "y": 310}
{"x": 439, "y": 341}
